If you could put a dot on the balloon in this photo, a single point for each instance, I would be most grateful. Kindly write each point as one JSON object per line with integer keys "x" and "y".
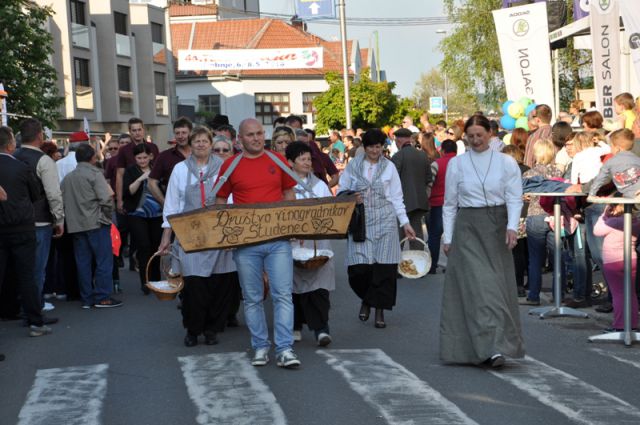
{"x": 507, "y": 139}
{"x": 516, "y": 110}
{"x": 522, "y": 122}
{"x": 505, "y": 107}
{"x": 525, "y": 101}
{"x": 507, "y": 122}
{"x": 529, "y": 108}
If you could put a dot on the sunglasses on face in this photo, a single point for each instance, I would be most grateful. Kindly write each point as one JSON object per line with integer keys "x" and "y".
{"x": 221, "y": 150}
{"x": 112, "y": 149}
{"x": 451, "y": 133}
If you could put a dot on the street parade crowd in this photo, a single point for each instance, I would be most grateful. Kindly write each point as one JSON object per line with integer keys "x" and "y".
{"x": 70, "y": 216}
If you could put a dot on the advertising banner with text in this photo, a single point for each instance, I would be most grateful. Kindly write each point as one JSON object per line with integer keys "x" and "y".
{"x": 605, "y": 33}
{"x": 246, "y": 59}
{"x": 523, "y": 36}
{"x": 630, "y": 11}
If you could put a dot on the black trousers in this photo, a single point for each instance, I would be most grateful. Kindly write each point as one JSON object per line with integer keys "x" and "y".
{"x": 375, "y": 284}
{"x": 311, "y": 308}
{"x": 520, "y": 260}
{"x": 19, "y": 250}
{"x": 205, "y": 302}
{"x": 146, "y": 234}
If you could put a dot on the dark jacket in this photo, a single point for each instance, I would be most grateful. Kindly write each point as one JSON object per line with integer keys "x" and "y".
{"x": 40, "y": 204}
{"x": 16, "y": 213}
{"x": 131, "y": 200}
{"x": 415, "y": 174}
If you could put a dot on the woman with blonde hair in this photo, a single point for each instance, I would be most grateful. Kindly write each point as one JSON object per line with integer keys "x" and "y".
{"x": 281, "y": 137}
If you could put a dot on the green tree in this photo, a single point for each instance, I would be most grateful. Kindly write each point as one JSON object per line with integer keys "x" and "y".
{"x": 25, "y": 70}
{"x": 372, "y": 104}
{"x": 432, "y": 84}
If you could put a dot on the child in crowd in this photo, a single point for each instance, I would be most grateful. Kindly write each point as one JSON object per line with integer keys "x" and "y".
{"x": 310, "y": 286}
{"x": 624, "y": 106}
{"x": 610, "y": 226}
{"x": 623, "y": 168}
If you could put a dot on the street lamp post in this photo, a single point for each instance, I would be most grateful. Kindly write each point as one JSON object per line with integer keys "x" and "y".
{"x": 446, "y": 86}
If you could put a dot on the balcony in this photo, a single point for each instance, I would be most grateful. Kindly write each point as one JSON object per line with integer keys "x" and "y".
{"x": 84, "y": 98}
{"x": 126, "y": 102}
{"x": 80, "y": 35}
{"x": 123, "y": 45}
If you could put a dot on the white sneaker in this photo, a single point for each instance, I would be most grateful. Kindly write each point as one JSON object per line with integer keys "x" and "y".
{"x": 324, "y": 339}
{"x": 297, "y": 336}
{"x": 48, "y": 307}
{"x": 36, "y": 331}
{"x": 287, "y": 359}
{"x": 261, "y": 357}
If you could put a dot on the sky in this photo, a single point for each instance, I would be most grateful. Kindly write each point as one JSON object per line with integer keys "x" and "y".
{"x": 405, "y": 52}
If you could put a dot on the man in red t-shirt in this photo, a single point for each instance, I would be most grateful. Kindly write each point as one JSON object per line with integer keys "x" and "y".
{"x": 257, "y": 178}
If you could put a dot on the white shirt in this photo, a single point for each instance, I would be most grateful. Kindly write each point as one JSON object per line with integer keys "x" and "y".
{"x": 66, "y": 165}
{"x": 461, "y": 147}
{"x": 562, "y": 159}
{"x": 391, "y": 182}
{"x": 464, "y": 188}
{"x": 587, "y": 163}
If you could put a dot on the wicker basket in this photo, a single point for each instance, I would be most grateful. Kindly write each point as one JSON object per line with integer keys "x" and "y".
{"x": 314, "y": 262}
{"x": 414, "y": 264}
{"x": 169, "y": 288}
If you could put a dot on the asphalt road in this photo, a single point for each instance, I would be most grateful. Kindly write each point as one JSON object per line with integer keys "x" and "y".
{"x": 129, "y": 366}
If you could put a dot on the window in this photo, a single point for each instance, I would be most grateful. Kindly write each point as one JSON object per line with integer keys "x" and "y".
{"x": 156, "y": 33}
{"x": 307, "y": 104}
{"x": 124, "y": 90}
{"x": 162, "y": 101}
{"x": 208, "y": 107}
{"x": 83, "y": 89}
{"x": 158, "y": 79}
{"x": 78, "y": 12}
{"x": 270, "y": 106}
{"x": 120, "y": 21}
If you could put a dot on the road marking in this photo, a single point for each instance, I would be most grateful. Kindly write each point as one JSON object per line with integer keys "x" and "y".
{"x": 577, "y": 400}
{"x": 631, "y": 358}
{"x": 226, "y": 389}
{"x": 70, "y": 396}
{"x": 399, "y": 395}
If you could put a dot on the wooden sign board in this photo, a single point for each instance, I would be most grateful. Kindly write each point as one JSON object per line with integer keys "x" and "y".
{"x": 229, "y": 226}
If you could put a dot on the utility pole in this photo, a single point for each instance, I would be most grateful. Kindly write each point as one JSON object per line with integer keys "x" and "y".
{"x": 345, "y": 62}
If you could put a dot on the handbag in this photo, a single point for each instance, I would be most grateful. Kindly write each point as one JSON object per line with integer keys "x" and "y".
{"x": 357, "y": 227}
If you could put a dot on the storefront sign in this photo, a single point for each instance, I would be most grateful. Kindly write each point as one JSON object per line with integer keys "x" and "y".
{"x": 630, "y": 11}
{"x": 246, "y": 59}
{"x": 227, "y": 226}
{"x": 605, "y": 32}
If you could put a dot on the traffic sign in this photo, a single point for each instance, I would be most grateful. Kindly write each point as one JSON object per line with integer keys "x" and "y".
{"x": 436, "y": 105}
{"x": 315, "y": 8}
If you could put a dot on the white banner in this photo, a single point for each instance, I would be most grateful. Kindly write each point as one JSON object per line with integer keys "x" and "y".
{"x": 605, "y": 31}
{"x": 246, "y": 59}
{"x": 523, "y": 36}
{"x": 630, "y": 11}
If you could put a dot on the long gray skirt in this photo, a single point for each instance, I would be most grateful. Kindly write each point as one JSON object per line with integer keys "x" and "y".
{"x": 480, "y": 315}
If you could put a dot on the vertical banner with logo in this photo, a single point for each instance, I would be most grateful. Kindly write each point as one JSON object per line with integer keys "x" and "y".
{"x": 580, "y": 9}
{"x": 630, "y": 11}
{"x": 523, "y": 36}
{"x": 605, "y": 33}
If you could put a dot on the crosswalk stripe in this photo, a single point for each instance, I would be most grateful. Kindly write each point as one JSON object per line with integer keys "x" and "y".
{"x": 70, "y": 396}
{"x": 399, "y": 395}
{"x": 577, "y": 400}
{"x": 631, "y": 358}
{"x": 226, "y": 389}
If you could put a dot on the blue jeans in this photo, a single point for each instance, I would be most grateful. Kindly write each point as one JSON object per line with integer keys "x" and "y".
{"x": 274, "y": 258}
{"x": 435, "y": 229}
{"x": 89, "y": 246}
{"x": 43, "y": 245}
{"x": 540, "y": 238}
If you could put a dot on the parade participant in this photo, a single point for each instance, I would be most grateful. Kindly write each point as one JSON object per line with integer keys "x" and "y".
{"x": 281, "y": 137}
{"x": 623, "y": 169}
{"x": 427, "y": 144}
{"x": 88, "y": 203}
{"x": 69, "y": 163}
{"x": 206, "y": 293}
{"x": 258, "y": 178}
{"x": 373, "y": 264}
{"x": 480, "y": 320}
{"x": 436, "y": 200}
{"x": 542, "y": 118}
{"x": 163, "y": 164}
{"x": 144, "y": 213}
{"x": 310, "y": 287}
{"x": 18, "y": 231}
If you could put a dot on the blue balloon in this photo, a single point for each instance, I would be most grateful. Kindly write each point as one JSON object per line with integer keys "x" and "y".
{"x": 505, "y": 107}
{"x": 529, "y": 108}
{"x": 507, "y": 122}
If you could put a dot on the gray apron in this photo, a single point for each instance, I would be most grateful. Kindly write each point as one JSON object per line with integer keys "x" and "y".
{"x": 381, "y": 245}
{"x": 198, "y": 263}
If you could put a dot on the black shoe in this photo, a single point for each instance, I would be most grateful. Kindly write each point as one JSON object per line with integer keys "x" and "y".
{"x": 49, "y": 320}
{"x": 433, "y": 271}
{"x": 365, "y": 310}
{"x": 210, "y": 338}
{"x": 495, "y": 361}
{"x": 380, "y": 319}
{"x": 522, "y": 293}
{"x": 576, "y": 303}
{"x": 190, "y": 340}
{"x": 120, "y": 262}
{"x": 145, "y": 290}
{"x": 2, "y": 357}
{"x": 604, "y": 308}
{"x": 527, "y": 301}
{"x": 232, "y": 322}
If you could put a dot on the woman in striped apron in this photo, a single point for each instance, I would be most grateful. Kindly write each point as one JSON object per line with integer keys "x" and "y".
{"x": 372, "y": 264}
{"x": 207, "y": 286}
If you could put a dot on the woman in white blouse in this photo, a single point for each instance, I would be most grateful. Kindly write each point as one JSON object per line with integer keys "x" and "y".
{"x": 483, "y": 199}
{"x": 373, "y": 264}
